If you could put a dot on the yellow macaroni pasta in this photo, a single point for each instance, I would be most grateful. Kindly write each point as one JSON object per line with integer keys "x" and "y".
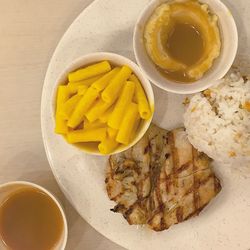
{"x": 62, "y": 97}
{"x": 90, "y": 71}
{"x": 102, "y": 82}
{"x": 73, "y": 86}
{"x": 97, "y": 110}
{"x": 87, "y": 135}
{"x": 105, "y": 116}
{"x": 82, "y": 107}
{"x": 127, "y": 125}
{"x": 108, "y": 145}
{"x": 141, "y": 99}
{"x": 69, "y": 106}
{"x": 111, "y": 92}
{"x": 92, "y": 125}
{"x": 82, "y": 90}
{"x": 121, "y": 105}
{"x": 102, "y": 107}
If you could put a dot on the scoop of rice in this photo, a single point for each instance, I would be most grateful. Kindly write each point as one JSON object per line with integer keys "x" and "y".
{"x": 218, "y": 120}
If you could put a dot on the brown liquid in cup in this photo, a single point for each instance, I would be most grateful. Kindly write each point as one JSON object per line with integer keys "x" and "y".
{"x": 30, "y": 220}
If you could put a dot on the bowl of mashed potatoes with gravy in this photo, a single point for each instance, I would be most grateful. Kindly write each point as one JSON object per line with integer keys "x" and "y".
{"x": 185, "y": 46}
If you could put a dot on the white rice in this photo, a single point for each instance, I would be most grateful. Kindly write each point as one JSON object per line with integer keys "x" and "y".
{"x": 218, "y": 122}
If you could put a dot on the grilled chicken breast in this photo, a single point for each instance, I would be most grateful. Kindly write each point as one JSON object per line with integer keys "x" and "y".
{"x": 161, "y": 181}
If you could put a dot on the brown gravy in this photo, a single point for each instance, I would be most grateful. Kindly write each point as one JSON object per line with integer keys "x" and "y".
{"x": 185, "y": 44}
{"x": 30, "y": 220}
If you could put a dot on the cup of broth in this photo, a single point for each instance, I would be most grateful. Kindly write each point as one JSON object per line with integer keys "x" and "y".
{"x": 31, "y": 218}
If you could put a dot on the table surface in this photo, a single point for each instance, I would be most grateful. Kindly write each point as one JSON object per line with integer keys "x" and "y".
{"x": 30, "y": 31}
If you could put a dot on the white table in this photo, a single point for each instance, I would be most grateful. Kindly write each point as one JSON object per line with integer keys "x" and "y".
{"x": 29, "y": 33}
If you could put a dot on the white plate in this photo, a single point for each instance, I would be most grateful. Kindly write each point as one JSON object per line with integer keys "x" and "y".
{"x": 107, "y": 25}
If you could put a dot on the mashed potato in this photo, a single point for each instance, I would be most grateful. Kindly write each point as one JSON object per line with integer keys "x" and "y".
{"x": 160, "y": 26}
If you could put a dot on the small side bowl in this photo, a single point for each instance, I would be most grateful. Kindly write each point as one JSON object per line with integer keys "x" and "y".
{"x": 229, "y": 39}
{"x": 8, "y": 188}
{"x": 116, "y": 60}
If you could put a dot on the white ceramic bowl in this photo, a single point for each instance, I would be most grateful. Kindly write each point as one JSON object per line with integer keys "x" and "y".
{"x": 117, "y": 60}
{"x": 229, "y": 37}
{"x": 10, "y": 187}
